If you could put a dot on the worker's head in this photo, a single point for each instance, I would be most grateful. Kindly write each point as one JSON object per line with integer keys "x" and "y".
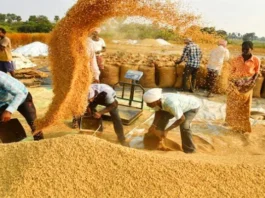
{"x": 153, "y": 98}
{"x": 92, "y": 94}
{"x": 247, "y": 47}
{"x": 187, "y": 40}
{"x": 2, "y": 32}
{"x": 222, "y": 42}
{"x": 95, "y": 32}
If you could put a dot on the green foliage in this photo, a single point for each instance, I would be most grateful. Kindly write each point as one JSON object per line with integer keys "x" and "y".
{"x": 2, "y": 18}
{"x": 257, "y": 43}
{"x": 140, "y": 31}
{"x": 249, "y": 36}
{"x": 209, "y": 30}
{"x": 31, "y": 27}
{"x": 38, "y": 24}
{"x": 56, "y": 18}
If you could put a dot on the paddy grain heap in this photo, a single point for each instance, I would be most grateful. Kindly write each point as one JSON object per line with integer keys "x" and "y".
{"x": 84, "y": 166}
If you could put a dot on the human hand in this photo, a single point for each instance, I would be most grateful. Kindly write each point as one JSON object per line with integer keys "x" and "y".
{"x": 158, "y": 133}
{"x": 97, "y": 115}
{"x": 88, "y": 111}
{"x": 162, "y": 146}
{"x": 6, "y": 116}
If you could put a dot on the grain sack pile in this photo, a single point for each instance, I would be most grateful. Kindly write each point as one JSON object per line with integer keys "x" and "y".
{"x": 90, "y": 167}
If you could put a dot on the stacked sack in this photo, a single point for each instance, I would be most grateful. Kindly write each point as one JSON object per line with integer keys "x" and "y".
{"x": 160, "y": 71}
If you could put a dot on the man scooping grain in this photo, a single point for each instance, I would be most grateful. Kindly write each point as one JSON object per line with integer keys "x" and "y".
{"x": 102, "y": 94}
{"x": 15, "y": 96}
{"x": 170, "y": 105}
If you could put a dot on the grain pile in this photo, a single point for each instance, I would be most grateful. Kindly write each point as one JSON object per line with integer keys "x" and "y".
{"x": 90, "y": 167}
{"x": 68, "y": 47}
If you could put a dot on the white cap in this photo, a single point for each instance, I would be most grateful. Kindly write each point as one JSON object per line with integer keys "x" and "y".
{"x": 152, "y": 95}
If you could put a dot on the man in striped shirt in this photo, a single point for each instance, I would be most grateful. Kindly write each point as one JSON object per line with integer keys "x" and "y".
{"x": 192, "y": 56}
{"x": 15, "y": 96}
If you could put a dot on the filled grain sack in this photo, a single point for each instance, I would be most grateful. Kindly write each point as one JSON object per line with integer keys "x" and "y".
{"x": 110, "y": 75}
{"x": 263, "y": 62}
{"x": 262, "y": 94}
{"x": 257, "y": 87}
{"x": 222, "y": 80}
{"x": 148, "y": 78}
{"x": 123, "y": 71}
{"x": 179, "y": 76}
{"x": 166, "y": 76}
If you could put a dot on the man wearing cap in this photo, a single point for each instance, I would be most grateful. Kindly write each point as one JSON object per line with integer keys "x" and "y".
{"x": 99, "y": 46}
{"x": 93, "y": 65}
{"x": 102, "y": 94}
{"x": 15, "y": 96}
{"x": 170, "y": 105}
{"x": 192, "y": 55}
{"x": 215, "y": 64}
{"x": 5, "y": 53}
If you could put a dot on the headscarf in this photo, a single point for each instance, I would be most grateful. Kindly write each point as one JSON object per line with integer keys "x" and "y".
{"x": 152, "y": 95}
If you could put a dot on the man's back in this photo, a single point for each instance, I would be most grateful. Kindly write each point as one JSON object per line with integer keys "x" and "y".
{"x": 12, "y": 91}
{"x": 217, "y": 57}
{"x": 192, "y": 54}
{"x": 106, "y": 95}
{"x": 177, "y": 104}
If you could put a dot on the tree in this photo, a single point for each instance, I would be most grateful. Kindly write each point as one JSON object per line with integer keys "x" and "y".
{"x": 19, "y": 18}
{"x": 2, "y": 17}
{"x": 222, "y": 33}
{"x": 209, "y": 30}
{"x": 56, "y": 18}
{"x": 249, "y": 36}
{"x": 10, "y": 17}
{"x": 42, "y": 19}
{"x": 233, "y": 35}
{"x": 32, "y": 18}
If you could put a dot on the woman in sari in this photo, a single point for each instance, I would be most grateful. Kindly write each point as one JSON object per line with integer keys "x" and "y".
{"x": 243, "y": 74}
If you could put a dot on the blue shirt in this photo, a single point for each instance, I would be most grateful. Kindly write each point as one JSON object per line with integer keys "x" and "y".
{"x": 192, "y": 55}
{"x": 12, "y": 92}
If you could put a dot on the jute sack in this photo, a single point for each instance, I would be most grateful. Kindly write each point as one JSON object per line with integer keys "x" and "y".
{"x": 166, "y": 76}
{"x": 148, "y": 78}
{"x": 263, "y": 62}
{"x": 179, "y": 76}
{"x": 123, "y": 71}
{"x": 222, "y": 80}
{"x": 262, "y": 94}
{"x": 110, "y": 75}
{"x": 258, "y": 86}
